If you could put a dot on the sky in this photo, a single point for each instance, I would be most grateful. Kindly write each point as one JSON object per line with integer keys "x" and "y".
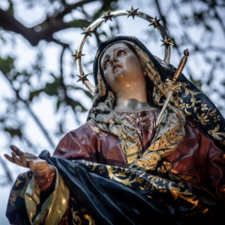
{"x": 44, "y": 106}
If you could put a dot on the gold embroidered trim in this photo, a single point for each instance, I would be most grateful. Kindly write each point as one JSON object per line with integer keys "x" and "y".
{"x": 53, "y": 208}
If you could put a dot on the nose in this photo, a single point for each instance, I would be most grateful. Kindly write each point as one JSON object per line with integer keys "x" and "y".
{"x": 113, "y": 59}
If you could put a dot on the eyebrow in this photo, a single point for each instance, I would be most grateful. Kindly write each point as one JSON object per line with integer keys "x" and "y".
{"x": 107, "y": 56}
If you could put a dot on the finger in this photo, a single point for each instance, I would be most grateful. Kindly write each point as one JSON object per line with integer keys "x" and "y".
{"x": 15, "y": 159}
{"x": 15, "y": 149}
{"x": 30, "y": 156}
{"x": 8, "y": 157}
{"x": 31, "y": 165}
{"x": 23, "y": 159}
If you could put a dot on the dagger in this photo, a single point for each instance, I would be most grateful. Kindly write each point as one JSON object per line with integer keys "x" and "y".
{"x": 175, "y": 78}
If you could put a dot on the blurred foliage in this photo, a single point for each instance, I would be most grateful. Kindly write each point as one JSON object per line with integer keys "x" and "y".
{"x": 192, "y": 15}
{"x": 23, "y": 79}
{"x": 186, "y": 18}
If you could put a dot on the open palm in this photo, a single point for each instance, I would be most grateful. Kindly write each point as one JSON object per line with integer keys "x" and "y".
{"x": 28, "y": 160}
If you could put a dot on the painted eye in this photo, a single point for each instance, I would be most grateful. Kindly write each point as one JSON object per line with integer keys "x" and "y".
{"x": 120, "y": 52}
{"x": 106, "y": 63}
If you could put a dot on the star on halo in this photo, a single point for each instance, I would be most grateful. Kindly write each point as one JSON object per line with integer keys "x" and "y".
{"x": 107, "y": 16}
{"x": 132, "y": 12}
{"x": 87, "y": 31}
{"x": 167, "y": 42}
{"x": 154, "y": 22}
{"x": 77, "y": 55}
{"x": 82, "y": 78}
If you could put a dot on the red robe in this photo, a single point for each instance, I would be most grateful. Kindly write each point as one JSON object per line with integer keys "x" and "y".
{"x": 197, "y": 160}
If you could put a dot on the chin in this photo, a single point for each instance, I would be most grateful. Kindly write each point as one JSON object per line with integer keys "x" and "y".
{"x": 120, "y": 74}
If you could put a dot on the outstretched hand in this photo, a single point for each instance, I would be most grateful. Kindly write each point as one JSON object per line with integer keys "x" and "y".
{"x": 38, "y": 166}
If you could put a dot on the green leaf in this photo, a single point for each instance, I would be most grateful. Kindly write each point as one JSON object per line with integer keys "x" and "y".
{"x": 78, "y": 23}
{"x": 76, "y": 103}
{"x": 51, "y": 89}
{"x": 6, "y": 64}
{"x": 104, "y": 33}
{"x": 34, "y": 94}
{"x": 14, "y": 132}
{"x": 58, "y": 103}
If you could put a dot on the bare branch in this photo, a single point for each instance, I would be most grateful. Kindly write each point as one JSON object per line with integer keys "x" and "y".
{"x": 68, "y": 100}
{"x": 41, "y": 126}
{"x": 49, "y": 26}
{"x": 69, "y": 8}
{"x": 8, "y": 22}
{"x": 219, "y": 19}
{"x": 27, "y": 104}
{"x": 161, "y": 14}
{"x": 7, "y": 170}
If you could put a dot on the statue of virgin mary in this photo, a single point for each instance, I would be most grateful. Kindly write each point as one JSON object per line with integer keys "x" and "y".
{"x": 119, "y": 167}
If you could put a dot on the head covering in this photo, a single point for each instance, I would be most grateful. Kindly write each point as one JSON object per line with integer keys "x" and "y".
{"x": 189, "y": 102}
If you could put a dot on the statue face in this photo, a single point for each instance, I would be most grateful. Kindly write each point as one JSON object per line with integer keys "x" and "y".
{"x": 121, "y": 67}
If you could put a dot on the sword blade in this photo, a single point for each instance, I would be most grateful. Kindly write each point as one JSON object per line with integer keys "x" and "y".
{"x": 175, "y": 78}
{"x": 164, "y": 108}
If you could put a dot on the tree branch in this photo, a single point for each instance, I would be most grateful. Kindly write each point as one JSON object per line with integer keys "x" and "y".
{"x": 41, "y": 126}
{"x": 69, "y": 8}
{"x": 68, "y": 100}
{"x": 219, "y": 19}
{"x": 49, "y": 26}
{"x": 7, "y": 171}
{"x": 161, "y": 14}
{"x": 8, "y": 22}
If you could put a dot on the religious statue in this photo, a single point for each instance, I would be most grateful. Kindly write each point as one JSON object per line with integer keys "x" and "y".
{"x": 129, "y": 163}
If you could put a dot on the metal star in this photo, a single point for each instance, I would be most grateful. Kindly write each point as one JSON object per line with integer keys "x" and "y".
{"x": 78, "y": 55}
{"x": 107, "y": 16}
{"x": 132, "y": 12}
{"x": 167, "y": 42}
{"x": 154, "y": 22}
{"x": 87, "y": 31}
{"x": 82, "y": 77}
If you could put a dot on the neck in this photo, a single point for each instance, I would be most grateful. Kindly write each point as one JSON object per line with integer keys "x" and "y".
{"x": 132, "y": 99}
{"x": 131, "y": 92}
{"x": 134, "y": 106}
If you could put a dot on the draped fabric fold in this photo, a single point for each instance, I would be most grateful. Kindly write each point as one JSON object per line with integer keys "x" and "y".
{"x": 115, "y": 195}
{"x": 53, "y": 208}
{"x": 169, "y": 134}
{"x": 106, "y": 193}
{"x": 196, "y": 105}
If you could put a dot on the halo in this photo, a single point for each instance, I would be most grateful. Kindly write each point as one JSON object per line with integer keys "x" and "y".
{"x": 108, "y": 16}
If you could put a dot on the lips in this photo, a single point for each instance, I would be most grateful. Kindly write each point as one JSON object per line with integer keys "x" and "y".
{"x": 116, "y": 67}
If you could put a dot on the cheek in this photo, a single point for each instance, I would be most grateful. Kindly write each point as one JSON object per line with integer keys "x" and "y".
{"x": 108, "y": 76}
{"x": 133, "y": 64}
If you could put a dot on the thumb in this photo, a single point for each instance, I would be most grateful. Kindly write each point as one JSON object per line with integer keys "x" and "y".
{"x": 31, "y": 165}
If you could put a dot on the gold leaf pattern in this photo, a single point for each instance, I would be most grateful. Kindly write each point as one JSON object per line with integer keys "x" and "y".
{"x": 142, "y": 181}
{"x": 19, "y": 187}
{"x": 90, "y": 124}
{"x": 186, "y": 195}
{"x": 215, "y": 133}
{"x": 189, "y": 101}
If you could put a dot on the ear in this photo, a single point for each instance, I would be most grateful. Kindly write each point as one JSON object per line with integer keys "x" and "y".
{"x": 145, "y": 73}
